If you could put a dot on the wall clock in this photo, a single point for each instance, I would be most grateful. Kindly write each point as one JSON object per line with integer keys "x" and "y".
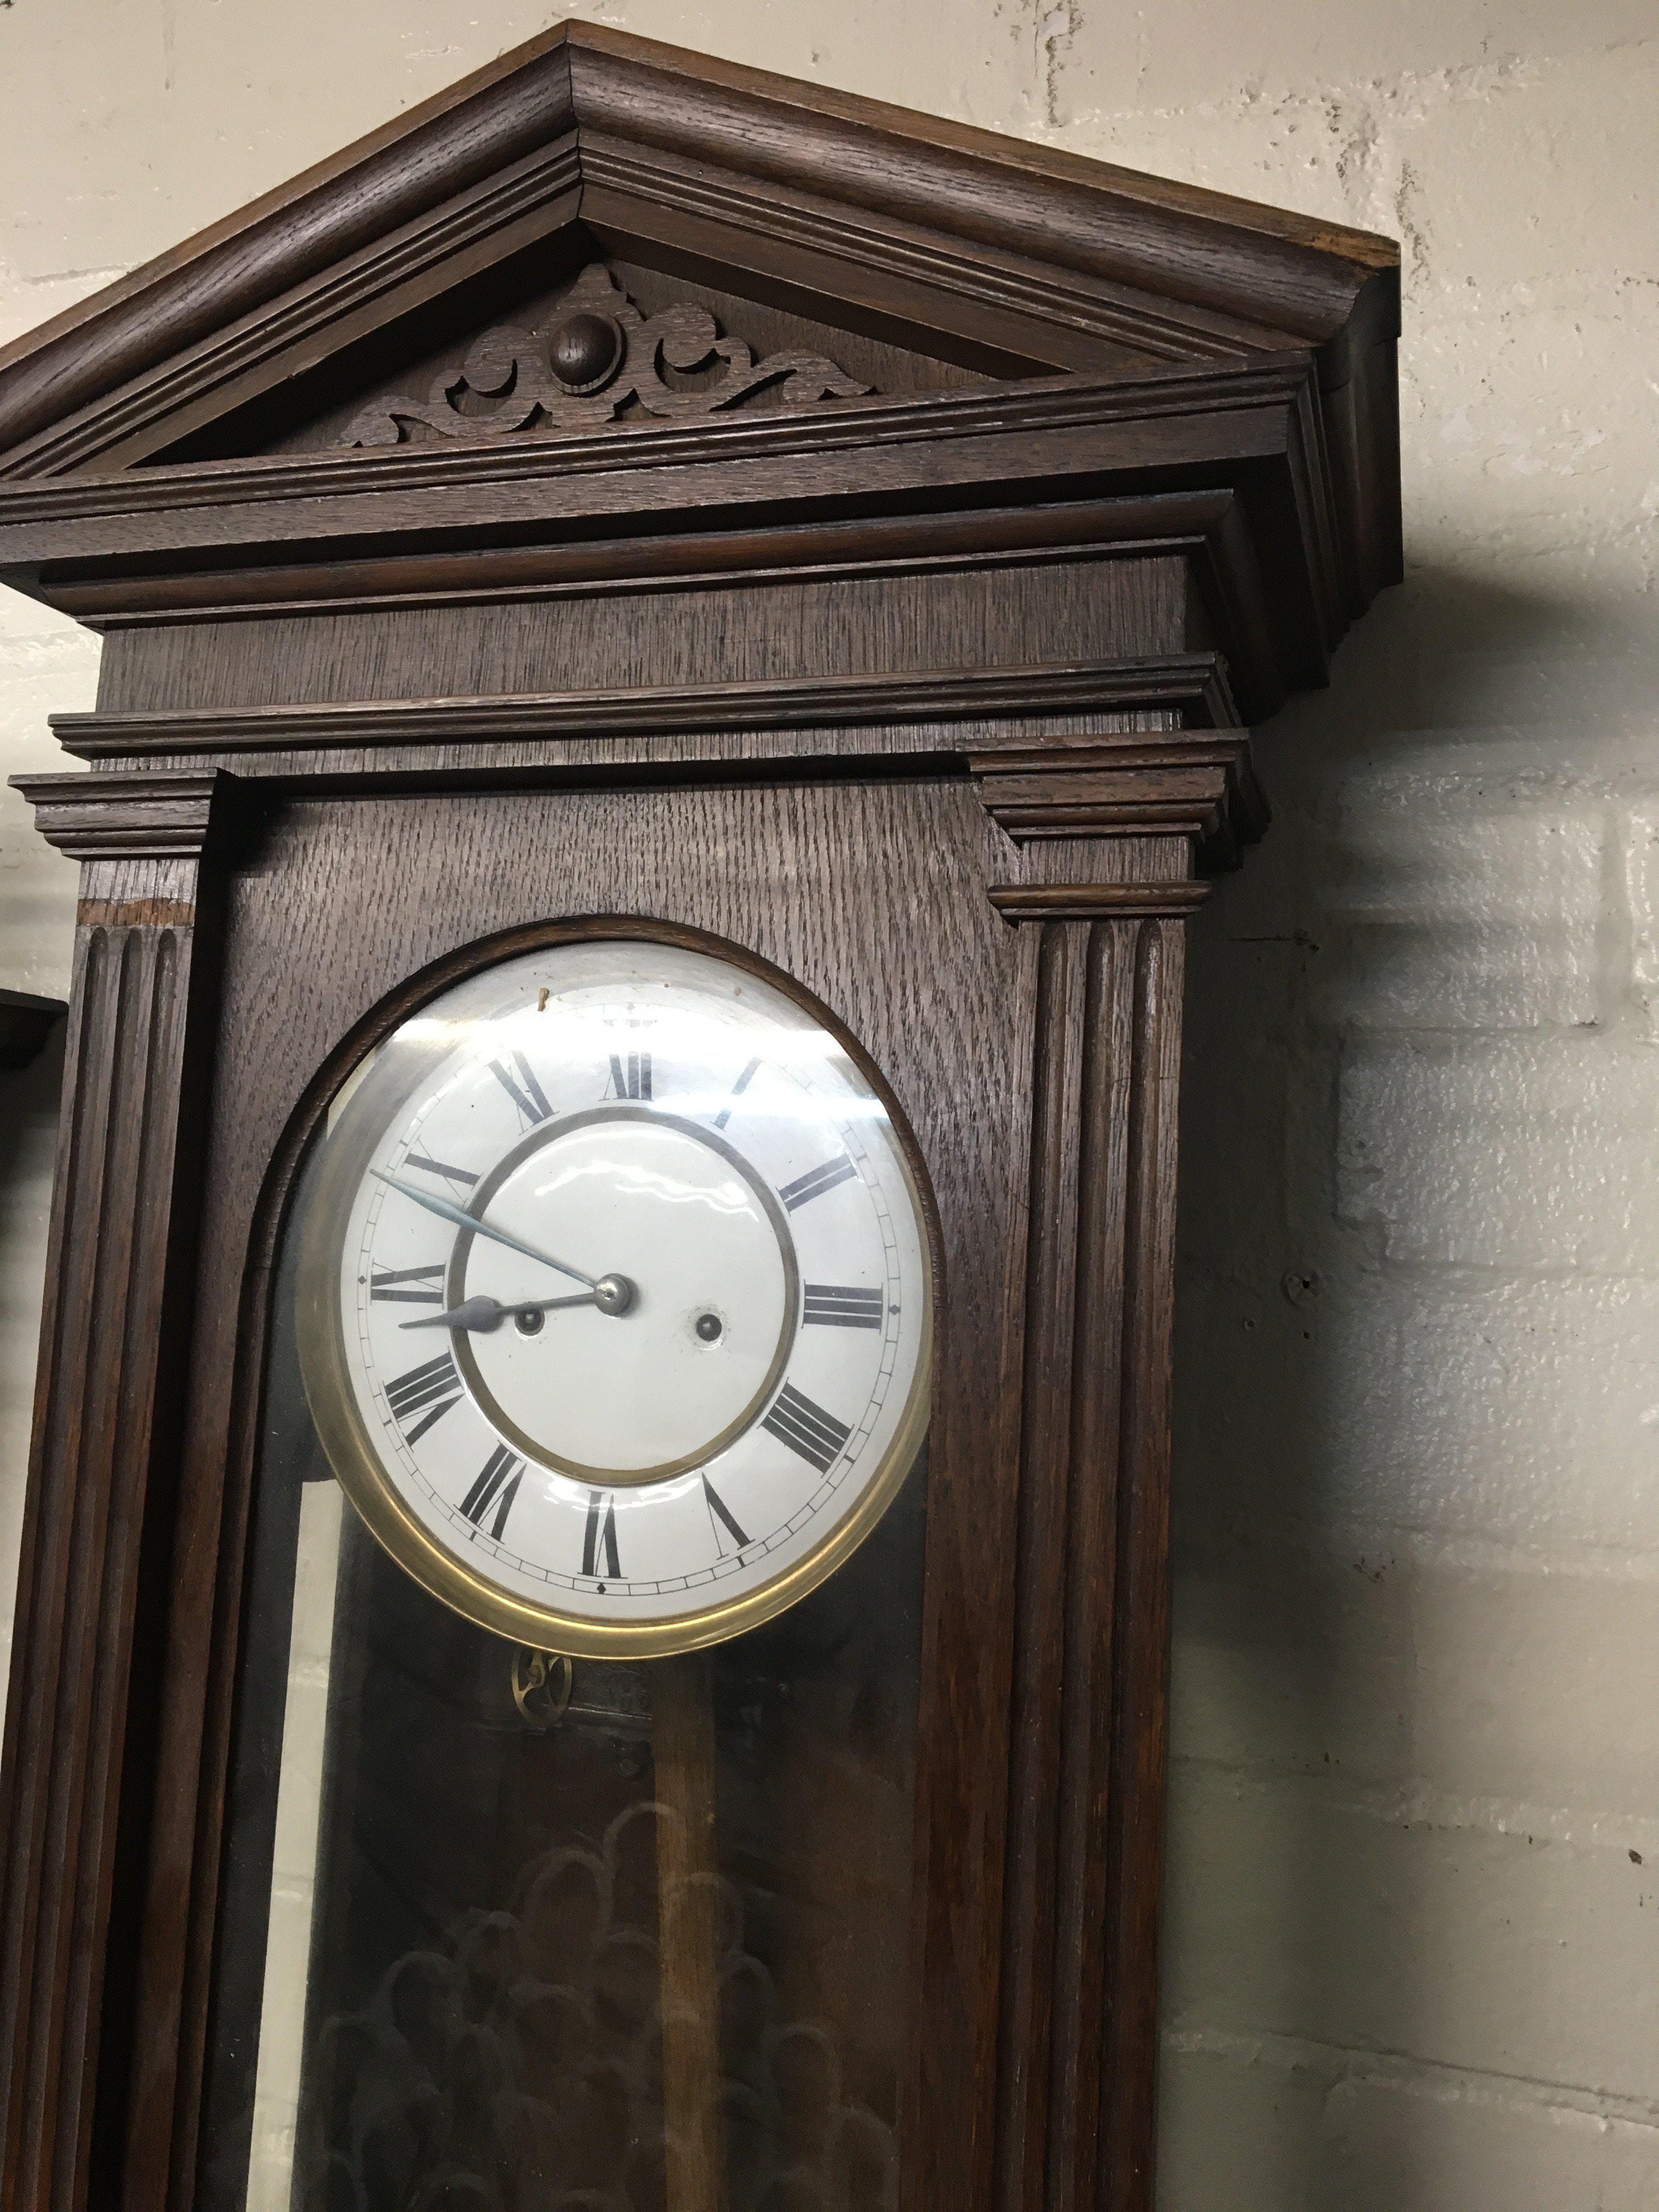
{"x": 678, "y": 651}
{"x": 687, "y": 1414}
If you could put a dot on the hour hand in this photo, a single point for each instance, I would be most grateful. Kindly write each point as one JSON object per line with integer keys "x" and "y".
{"x": 483, "y": 1312}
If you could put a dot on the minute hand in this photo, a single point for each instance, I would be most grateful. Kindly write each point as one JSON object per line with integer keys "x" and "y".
{"x": 446, "y": 1211}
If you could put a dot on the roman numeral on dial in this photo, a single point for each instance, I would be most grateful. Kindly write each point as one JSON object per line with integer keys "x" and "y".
{"x": 806, "y": 1428}
{"x": 462, "y": 1177}
{"x": 737, "y": 1089}
{"x": 427, "y": 1391}
{"x": 815, "y": 1182}
{"x": 496, "y": 1486}
{"x": 600, "y": 1555}
{"x": 398, "y": 1284}
{"x": 723, "y": 1517}
{"x": 631, "y": 1075}
{"x": 836, "y": 1307}
{"x": 519, "y": 1081}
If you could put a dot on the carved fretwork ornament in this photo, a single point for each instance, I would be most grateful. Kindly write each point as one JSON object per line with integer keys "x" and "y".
{"x": 599, "y": 354}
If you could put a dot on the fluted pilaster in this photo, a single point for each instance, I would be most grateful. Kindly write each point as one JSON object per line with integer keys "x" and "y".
{"x": 1077, "y": 2039}
{"x": 82, "y": 1693}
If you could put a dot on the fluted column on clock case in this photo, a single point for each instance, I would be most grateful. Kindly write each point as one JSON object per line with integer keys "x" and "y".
{"x": 103, "y": 1457}
{"x": 1078, "y": 2030}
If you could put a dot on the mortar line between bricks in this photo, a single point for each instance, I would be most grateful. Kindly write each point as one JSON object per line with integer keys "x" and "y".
{"x": 1345, "y": 2064}
{"x": 1417, "y": 1804}
{"x": 1375, "y": 1547}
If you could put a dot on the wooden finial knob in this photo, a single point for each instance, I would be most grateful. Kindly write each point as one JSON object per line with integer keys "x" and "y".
{"x": 587, "y": 350}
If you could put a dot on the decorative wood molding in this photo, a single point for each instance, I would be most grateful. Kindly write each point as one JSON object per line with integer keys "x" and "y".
{"x": 600, "y": 353}
{"x": 1015, "y": 294}
{"x": 1249, "y": 442}
{"x": 1096, "y": 902}
{"x": 371, "y": 236}
{"x": 1078, "y": 2055}
{"x": 375, "y": 282}
{"x": 634, "y": 97}
{"x": 150, "y": 816}
{"x": 1201, "y": 526}
{"x": 1179, "y": 786}
{"x": 26, "y": 1022}
{"x": 1188, "y": 684}
{"x": 1050, "y": 403}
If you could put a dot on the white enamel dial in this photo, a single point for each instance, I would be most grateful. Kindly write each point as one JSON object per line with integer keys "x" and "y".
{"x": 615, "y": 1297}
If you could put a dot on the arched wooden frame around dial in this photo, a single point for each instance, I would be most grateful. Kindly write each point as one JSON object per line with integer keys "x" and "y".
{"x": 360, "y": 1469}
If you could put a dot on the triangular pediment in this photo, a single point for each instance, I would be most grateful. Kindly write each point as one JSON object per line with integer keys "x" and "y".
{"x": 858, "y": 245}
{"x": 610, "y": 309}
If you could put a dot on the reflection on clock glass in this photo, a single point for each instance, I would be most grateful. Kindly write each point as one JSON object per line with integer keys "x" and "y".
{"x": 618, "y": 1294}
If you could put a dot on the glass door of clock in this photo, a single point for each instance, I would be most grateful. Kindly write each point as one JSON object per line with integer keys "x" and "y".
{"x": 511, "y": 1934}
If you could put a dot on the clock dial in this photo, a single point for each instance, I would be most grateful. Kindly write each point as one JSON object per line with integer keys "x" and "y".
{"x": 615, "y": 1298}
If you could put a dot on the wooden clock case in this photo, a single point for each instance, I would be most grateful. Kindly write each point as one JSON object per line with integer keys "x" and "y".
{"x": 906, "y": 639}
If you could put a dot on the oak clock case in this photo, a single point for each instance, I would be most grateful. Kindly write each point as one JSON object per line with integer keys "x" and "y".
{"x": 853, "y": 548}
{"x": 614, "y": 1301}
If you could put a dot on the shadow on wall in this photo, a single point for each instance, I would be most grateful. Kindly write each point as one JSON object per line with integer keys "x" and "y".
{"x": 1293, "y": 1939}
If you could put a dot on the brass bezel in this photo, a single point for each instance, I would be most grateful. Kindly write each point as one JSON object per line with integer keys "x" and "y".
{"x": 362, "y": 1475}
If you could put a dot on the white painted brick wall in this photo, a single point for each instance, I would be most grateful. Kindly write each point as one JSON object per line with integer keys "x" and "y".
{"x": 1440, "y": 1143}
{"x": 1412, "y": 1963}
